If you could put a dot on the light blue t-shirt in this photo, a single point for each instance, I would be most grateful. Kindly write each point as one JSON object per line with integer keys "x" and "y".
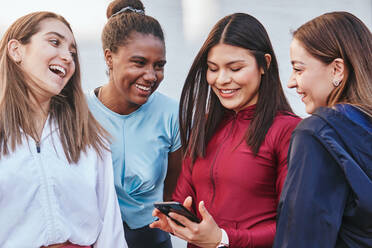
{"x": 140, "y": 144}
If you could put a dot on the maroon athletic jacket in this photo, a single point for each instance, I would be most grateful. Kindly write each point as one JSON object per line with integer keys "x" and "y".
{"x": 241, "y": 191}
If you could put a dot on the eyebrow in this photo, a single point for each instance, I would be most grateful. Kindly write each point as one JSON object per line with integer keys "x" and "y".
{"x": 61, "y": 37}
{"x": 297, "y": 62}
{"x": 137, "y": 57}
{"x": 231, "y": 62}
{"x": 143, "y": 58}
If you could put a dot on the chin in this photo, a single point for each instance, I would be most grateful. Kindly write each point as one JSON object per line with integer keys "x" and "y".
{"x": 141, "y": 101}
{"x": 228, "y": 106}
{"x": 310, "y": 109}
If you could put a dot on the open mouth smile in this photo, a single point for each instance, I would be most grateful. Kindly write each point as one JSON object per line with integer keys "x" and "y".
{"x": 59, "y": 70}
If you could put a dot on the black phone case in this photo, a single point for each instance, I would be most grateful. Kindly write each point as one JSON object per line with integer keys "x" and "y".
{"x": 176, "y": 207}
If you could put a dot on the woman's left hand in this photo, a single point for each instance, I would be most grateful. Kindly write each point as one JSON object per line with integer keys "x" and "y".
{"x": 204, "y": 234}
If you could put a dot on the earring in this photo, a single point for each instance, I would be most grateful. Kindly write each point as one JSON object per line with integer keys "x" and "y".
{"x": 336, "y": 83}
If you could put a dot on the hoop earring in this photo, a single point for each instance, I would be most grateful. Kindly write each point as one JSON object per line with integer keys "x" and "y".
{"x": 336, "y": 83}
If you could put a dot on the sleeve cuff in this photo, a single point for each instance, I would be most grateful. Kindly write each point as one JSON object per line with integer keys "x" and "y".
{"x": 224, "y": 240}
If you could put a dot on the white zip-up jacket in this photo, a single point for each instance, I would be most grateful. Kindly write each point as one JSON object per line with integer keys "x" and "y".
{"x": 46, "y": 200}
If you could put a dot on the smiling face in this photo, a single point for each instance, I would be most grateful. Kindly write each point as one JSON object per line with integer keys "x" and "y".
{"x": 234, "y": 76}
{"x": 136, "y": 69}
{"x": 48, "y": 58}
{"x": 311, "y": 77}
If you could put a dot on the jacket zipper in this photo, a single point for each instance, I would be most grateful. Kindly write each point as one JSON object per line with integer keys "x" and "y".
{"x": 215, "y": 157}
{"x": 49, "y": 215}
{"x": 38, "y": 147}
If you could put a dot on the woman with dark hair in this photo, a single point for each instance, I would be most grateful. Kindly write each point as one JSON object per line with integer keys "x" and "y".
{"x": 143, "y": 123}
{"x": 56, "y": 179}
{"x": 235, "y": 129}
{"x": 326, "y": 200}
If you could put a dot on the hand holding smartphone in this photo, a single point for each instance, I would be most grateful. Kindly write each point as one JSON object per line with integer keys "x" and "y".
{"x": 176, "y": 207}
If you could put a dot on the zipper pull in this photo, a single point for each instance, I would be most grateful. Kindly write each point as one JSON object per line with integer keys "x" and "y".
{"x": 38, "y": 147}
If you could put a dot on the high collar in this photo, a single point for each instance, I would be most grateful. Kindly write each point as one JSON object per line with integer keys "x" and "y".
{"x": 245, "y": 114}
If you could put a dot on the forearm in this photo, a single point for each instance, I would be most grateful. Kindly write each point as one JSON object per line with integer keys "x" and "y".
{"x": 169, "y": 186}
{"x": 257, "y": 237}
{"x": 173, "y": 172}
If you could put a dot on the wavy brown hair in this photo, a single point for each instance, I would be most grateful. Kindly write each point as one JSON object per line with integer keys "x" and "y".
{"x": 77, "y": 127}
{"x": 200, "y": 109}
{"x": 342, "y": 35}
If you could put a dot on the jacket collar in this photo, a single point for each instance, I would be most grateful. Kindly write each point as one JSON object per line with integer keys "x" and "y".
{"x": 50, "y": 127}
{"x": 244, "y": 114}
{"x": 348, "y": 131}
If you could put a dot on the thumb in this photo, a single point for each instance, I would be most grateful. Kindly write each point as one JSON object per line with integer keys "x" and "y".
{"x": 188, "y": 202}
{"x": 203, "y": 211}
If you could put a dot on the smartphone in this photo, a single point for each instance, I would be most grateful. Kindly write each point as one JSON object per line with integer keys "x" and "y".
{"x": 176, "y": 207}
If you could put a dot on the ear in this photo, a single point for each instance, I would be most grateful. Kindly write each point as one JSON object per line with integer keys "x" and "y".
{"x": 268, "y": 61}
{"x": 15, "y": 50}
{"x": 108, "y": 58}
{"x": 338, "y": 70}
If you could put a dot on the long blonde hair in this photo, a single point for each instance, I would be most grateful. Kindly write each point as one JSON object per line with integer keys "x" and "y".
{"x": 77, "y": 127}
{"x": 342, "y": 35}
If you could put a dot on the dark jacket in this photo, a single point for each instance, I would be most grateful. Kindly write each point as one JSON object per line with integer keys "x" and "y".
{"x": 240, "y": 190}
{"x": 327, "y": 197}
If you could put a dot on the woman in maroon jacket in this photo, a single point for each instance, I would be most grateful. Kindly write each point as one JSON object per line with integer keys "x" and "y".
{"x": 235, "y": 129}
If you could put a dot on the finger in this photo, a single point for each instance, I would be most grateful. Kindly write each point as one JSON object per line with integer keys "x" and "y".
{"x": 176, "y": 229}
{"x": 203, "y": 211}
{"x": 172, "y": 225}
{"x": 155, "y": 212}
{"x": 155, "y": 224}
{"x": 188, "y": 202}
{"x": 161, "y": 224}
{"x": 158, "y": 214}
{"x": 181, "y": 219}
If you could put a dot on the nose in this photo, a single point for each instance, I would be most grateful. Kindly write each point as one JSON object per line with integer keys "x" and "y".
{"x": 150, "y": 75}
{"x": 223, "y": 77}
{"x": 292, "y": 83}
{"x": 66, "y": 55}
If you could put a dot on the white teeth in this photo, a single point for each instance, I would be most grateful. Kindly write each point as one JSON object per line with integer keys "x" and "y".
{"x": 58, "y": 68}
{"x": 227, "y": 91}
{"x": 143, "y": 87}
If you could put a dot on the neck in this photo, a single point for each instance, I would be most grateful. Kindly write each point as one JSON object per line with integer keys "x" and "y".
{"x": 113, "y": 100}
{"x": 40, "y": 109}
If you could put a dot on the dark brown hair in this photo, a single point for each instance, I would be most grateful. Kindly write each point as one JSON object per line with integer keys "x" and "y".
{"x": 342, "y": 35}
{"x": 200, "y": 110}
{"x": 120, "y": 26}
{"x": 77, "y": 127}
